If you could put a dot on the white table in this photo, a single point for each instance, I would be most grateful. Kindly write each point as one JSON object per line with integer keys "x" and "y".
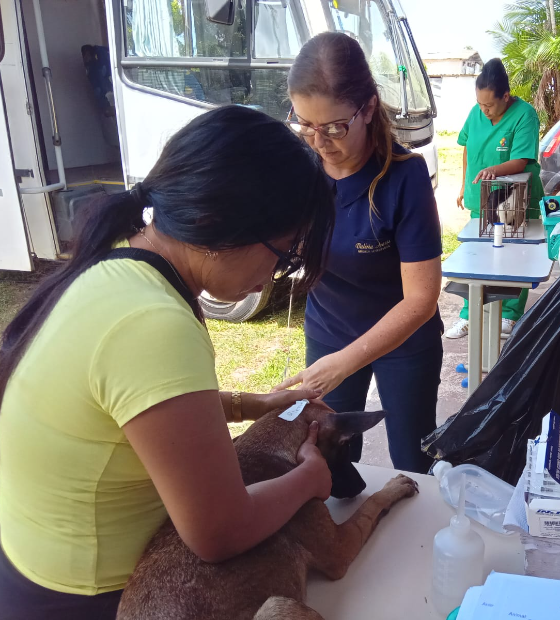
{"x": 480, "y": 264}
{"x": 534, "y": 233}
{"x": 391, "y": 577}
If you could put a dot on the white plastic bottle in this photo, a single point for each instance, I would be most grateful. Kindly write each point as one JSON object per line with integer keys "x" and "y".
{"x": 486, "y": 496}
{"x": 458, "y": 561}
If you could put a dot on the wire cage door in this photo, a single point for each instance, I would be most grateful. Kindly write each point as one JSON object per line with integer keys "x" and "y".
{"x": 505, "y": 200}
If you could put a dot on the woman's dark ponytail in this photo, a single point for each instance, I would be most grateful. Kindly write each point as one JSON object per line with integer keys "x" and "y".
{"x": 101, "y": 224}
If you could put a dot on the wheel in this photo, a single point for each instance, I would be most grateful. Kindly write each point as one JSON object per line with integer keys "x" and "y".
{"x": 236, "y": 312}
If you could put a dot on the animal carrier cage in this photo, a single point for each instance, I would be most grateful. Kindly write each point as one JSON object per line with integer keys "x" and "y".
{"x": 505, "y": 200}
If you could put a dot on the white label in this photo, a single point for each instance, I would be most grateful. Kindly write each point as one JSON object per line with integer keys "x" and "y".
{"x": 292, "y": 412}
{"x": 549, "y": 527}
{"x": 544, "y": 523}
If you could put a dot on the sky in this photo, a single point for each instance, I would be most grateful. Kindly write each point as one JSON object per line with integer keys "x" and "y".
{"x": 447, "y": 25}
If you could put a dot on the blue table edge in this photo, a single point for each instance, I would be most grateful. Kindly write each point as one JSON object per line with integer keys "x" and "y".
{"x": 475, "y": 276}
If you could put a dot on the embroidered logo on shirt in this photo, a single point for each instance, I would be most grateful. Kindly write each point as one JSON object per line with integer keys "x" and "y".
{"x": 503, "y": 146}
{"x": 368, "y": 247}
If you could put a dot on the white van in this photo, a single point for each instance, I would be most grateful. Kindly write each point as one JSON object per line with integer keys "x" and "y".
{"x": 90, "y": 90}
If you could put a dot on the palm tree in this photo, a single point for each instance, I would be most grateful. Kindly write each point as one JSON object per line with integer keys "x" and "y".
{"x": 531, "y": 54}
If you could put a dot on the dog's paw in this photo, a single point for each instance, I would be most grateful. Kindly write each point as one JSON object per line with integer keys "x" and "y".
{"x": 402, "y": 486}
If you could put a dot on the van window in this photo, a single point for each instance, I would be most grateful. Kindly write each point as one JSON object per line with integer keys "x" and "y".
{"x": 263, "y": 89}
{"x": 275, "y": 34}
{"x": 173, "y": 29}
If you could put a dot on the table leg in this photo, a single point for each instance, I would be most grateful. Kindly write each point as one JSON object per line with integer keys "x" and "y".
{"x": 475, "y": 336}
{"x": 494, "y": 333}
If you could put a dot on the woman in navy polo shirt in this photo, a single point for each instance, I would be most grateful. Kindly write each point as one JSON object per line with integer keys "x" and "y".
{"x": 375, "y": 309}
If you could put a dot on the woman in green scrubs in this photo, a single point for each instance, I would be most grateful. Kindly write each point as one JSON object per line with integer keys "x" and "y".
{"x": 500, "y": 137}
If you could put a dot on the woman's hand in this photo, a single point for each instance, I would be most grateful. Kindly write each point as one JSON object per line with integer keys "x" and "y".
{"x": 460, "y": 198}
{"x": 486, "y": 174}
{"x": 254, "y": 406}
{"x": 310, "y": 455}
{"x": 323, "y": 376}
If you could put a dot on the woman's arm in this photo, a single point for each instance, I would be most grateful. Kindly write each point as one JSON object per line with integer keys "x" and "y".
{"x": 421, "y": 289}
{"x": 462, "y": 192}
{"x": 254, "y": 406}
{"x": 186, "y": 449}
{"x": 513, "y": 166}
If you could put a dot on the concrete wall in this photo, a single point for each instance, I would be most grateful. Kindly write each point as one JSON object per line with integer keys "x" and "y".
{"x": 452, "y": 67}
{"x": 454, "y": 96}
{"x": 447, "y": 66}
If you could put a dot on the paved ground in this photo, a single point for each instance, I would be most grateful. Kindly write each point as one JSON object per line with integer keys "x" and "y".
{"x": 451, "y": 395}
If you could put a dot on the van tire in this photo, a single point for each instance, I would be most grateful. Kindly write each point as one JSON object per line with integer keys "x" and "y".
{"x": 235, "y": 312}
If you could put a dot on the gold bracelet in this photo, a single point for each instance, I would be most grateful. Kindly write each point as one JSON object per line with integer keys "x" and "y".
{"x": 236, "y": 413}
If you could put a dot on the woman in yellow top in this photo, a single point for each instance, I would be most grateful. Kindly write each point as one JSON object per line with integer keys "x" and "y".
{"x": 500, "y": 137}
{"x": 111, "y": 417}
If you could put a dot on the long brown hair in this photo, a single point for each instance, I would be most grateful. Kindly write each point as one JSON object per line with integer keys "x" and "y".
{"x": 334, "y": 65}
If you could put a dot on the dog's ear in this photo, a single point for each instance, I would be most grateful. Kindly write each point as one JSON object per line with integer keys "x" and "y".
{"x": 352, "y": 423}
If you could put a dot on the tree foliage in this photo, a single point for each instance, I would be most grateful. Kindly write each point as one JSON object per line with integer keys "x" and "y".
{"x": 530, "y": 45}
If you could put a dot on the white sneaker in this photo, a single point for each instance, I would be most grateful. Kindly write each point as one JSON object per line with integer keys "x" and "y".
{"x": 507, "y": 327}
{"x": 459, "y": 330}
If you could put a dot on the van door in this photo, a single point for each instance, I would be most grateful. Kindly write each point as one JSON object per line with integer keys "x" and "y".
{"x": 23, "y": 124}
{"x": 14, "y": 247}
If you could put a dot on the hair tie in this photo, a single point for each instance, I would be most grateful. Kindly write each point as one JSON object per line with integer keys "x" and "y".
{"x": 138, "y": 195}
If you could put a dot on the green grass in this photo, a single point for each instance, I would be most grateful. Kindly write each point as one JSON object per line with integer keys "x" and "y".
{"x": 449, "y": 243}
{"x": 252, "y": 356}
{"x": 450, "y": 154}
{"x": 12, "y": 296}
{"x": 7, "y": 303}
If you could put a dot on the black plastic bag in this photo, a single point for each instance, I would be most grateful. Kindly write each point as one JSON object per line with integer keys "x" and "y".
{"x": 493, "y": 426}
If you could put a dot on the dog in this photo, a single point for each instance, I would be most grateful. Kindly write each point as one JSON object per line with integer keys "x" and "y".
{"x": 268, "y": 582}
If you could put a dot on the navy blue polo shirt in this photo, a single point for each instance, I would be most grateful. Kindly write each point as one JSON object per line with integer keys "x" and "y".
{"x": 362, "y": 281}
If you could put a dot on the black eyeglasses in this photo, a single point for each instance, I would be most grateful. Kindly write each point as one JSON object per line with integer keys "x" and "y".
{"x": 333, "y": 131}
{"x": 288, "y": 262}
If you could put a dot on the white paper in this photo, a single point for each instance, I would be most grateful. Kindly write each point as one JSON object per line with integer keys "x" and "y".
{"x": 293, "y": 412}
{"x": 469, "y": 603}
{"x": 504, "y": 597}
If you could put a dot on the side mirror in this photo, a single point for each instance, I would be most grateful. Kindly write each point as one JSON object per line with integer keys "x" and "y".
{"x": 220, "y": 11}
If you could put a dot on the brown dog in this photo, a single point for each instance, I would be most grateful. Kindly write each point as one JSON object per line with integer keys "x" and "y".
{"x": 267, "y": 582}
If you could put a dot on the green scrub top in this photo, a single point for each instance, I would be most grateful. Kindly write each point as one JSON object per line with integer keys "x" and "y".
{"x": 516, "y": 136}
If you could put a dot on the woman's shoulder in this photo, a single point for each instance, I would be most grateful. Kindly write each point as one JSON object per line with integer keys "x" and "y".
{"x": 399, "y": 149}
{"x": 126, "y": 290}
{"x": 412, "y": 161}
{"x": 474, "y": 114}
{"x": 525, "y": 109}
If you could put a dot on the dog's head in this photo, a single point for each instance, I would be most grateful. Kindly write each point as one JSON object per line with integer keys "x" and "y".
{"x": 335, "y": 432}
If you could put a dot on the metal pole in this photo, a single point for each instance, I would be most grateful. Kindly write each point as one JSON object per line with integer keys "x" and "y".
{"x": 47, "y": 74}
{"x": 475, "y": 336}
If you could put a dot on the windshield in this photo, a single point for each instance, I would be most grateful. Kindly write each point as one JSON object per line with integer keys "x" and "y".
{"x": 387, "y": 49}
